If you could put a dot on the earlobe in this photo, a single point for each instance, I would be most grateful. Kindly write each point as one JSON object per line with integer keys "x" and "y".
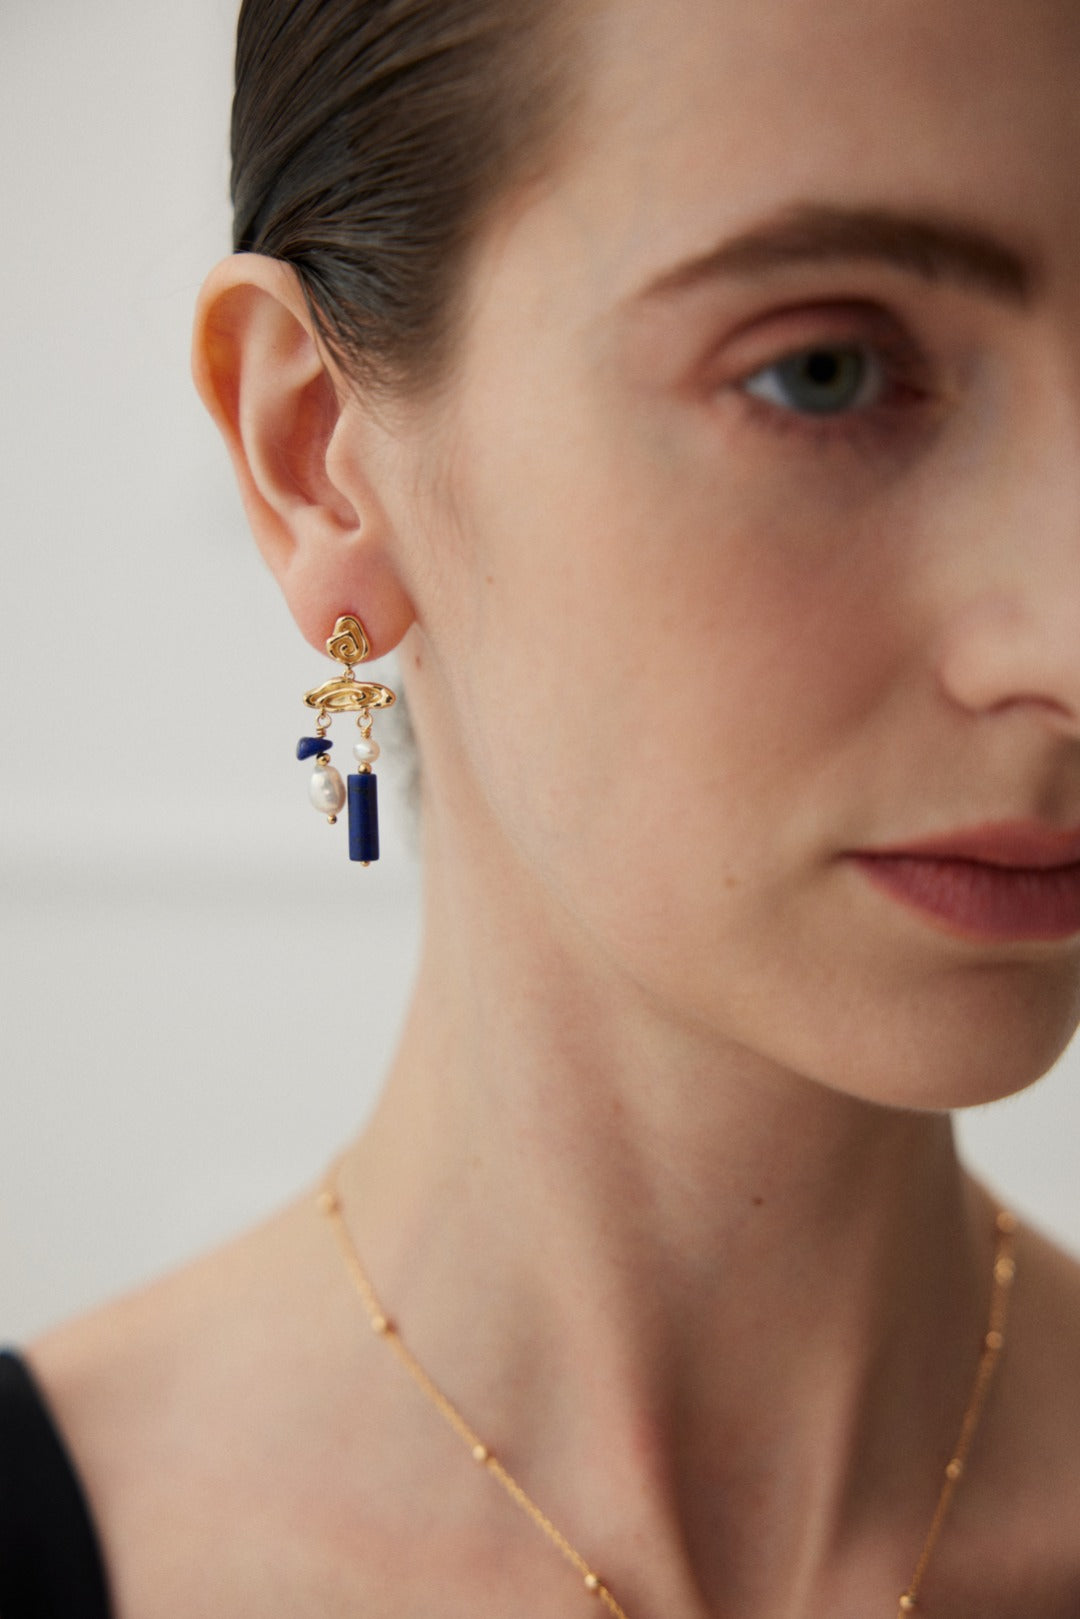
{"x": 263, "y": 377}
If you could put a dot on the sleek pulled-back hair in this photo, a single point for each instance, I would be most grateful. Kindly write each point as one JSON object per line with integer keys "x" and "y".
{"x": 369, "y": 140}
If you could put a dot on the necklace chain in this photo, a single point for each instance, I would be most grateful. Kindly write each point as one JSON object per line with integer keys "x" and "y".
{"x": 330, "y": 1205}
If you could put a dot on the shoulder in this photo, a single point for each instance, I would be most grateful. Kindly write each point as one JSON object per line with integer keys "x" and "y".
{"x": 197, "y": 1401}
{"x": 50, "y": 1559}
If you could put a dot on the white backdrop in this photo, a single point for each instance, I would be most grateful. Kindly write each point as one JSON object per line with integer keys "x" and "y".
{"x": 199, "y": 992}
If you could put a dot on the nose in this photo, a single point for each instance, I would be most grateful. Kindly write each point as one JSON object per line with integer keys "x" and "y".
{"x": 1012, "y": 633}
{"x": 1008, "y": 651}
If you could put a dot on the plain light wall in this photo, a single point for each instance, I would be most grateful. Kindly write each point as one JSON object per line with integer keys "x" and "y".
{"x": 199, "y": 992}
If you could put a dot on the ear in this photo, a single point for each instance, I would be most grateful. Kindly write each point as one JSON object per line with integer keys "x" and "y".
{"x": 282, "y": 410}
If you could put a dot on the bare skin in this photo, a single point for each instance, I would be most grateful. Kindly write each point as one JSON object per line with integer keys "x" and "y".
{"x": 662, "y": 1187}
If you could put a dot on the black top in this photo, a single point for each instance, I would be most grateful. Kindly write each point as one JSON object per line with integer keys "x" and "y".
{"x": 50, "y": 1561}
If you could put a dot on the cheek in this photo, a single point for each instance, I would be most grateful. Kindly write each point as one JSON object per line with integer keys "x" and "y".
{"x": 672, "y": 643}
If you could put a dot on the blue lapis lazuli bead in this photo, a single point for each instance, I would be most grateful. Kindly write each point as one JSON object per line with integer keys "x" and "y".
{"x": 363, "y": 818}
{"x": 309, "y": 746}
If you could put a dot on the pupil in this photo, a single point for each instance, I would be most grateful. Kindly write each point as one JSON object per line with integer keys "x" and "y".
{"x": 822, "y": 367}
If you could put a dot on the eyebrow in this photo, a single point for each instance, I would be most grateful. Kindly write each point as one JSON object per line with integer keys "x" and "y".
{"x": 931, "y": 246}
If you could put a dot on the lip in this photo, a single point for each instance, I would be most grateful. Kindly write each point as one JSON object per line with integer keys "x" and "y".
{"x": 998, "y": 882}
{"x": 1019, "y": 845}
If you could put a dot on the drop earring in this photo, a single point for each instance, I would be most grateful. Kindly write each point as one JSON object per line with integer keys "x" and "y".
{"x": 347, "y": 695}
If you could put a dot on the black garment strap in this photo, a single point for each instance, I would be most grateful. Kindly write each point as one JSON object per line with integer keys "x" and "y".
{"x": 50, "y": 1561}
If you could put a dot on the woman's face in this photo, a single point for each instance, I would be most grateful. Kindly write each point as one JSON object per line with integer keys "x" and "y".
{"x": 705, "y": 614}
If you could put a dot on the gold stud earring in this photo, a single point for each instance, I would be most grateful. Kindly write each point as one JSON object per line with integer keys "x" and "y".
{"x": 345, "y": 694}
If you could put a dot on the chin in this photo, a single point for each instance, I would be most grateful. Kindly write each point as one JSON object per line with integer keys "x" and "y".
{"x": 953, "y": 1056}
{"x": 927, "y": 1038}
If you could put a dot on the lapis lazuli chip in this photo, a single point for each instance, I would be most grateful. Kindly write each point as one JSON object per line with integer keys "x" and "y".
{"x": 309, "y": 746}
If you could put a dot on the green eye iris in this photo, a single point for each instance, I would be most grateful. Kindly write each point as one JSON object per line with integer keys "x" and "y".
{"x": 819, "y": 381}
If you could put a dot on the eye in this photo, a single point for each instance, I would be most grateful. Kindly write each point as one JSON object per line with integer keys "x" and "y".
{"x": 825, "y": 380}
{"x": 869, "y": 388}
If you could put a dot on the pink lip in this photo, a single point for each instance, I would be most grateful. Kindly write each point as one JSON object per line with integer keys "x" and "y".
{"x": 1011, "y": 880}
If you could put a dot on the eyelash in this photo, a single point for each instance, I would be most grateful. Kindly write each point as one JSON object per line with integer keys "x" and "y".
{"x": 904, "y": 391}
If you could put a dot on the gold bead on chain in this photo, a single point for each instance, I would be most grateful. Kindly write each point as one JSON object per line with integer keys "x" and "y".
{"x": 330, "y": 1205}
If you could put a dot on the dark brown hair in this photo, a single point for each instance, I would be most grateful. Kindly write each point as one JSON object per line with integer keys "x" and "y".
{"x": 369, "y": 140}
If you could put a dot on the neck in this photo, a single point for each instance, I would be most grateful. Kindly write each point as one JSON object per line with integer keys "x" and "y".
{"x": 725, "y": 1300}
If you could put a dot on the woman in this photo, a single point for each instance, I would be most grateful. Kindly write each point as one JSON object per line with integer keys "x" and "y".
{"x": 691, "y": 392}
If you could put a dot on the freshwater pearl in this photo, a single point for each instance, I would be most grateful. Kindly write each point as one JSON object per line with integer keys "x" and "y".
{"x": 327, "y": 790}
{"x": 365, "y": 752}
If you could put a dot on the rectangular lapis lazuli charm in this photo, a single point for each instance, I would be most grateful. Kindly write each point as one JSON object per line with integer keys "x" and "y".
{"x": 363, "y": 818}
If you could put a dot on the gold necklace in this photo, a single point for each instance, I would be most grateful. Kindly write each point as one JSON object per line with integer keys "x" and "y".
{"x": 329, "y": 1203}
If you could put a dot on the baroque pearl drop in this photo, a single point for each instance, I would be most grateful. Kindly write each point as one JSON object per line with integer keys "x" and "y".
{"x": 327, "y": 790}
{"x": 365, "y": 752}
